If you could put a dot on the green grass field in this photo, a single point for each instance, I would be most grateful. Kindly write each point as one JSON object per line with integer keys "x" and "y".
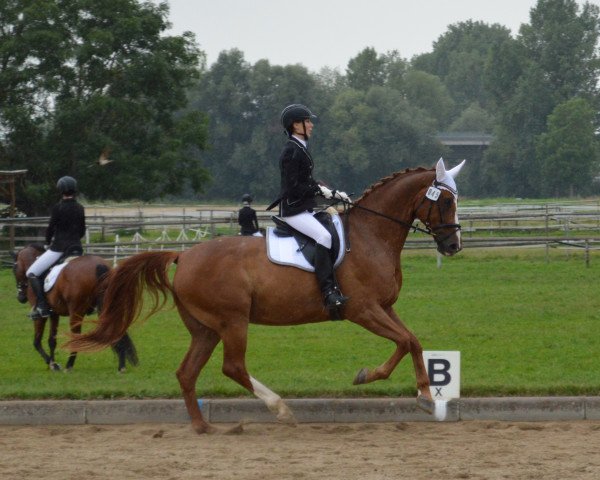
{"x": 524, "y": 326}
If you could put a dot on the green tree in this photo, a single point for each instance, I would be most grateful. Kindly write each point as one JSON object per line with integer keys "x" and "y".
{"x": 373, "y": 134}
{"x": 427, "y": 92}
{"x": 473, "y": 119}
{"x": 559, "y": 62}
{"x": 568, "y": 150}
{"x": 85, "y": 78}
{"x": 366, "y": 70}
{"x": 459, "y": 58}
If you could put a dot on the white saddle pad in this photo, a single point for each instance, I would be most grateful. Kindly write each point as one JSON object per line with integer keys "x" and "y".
{"x": 284, "y": 250}
{"x": 53, "y": 274}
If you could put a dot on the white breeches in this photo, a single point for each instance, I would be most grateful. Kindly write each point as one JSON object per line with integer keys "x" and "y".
{"x": 43, "y": 263}
{"x": 307, "y": 224}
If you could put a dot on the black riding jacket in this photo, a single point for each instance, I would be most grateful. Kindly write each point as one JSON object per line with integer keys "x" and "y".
{"x": 67, "y": 225}
{"x": 298, "y": 188}
{"x": 247, "y": 220}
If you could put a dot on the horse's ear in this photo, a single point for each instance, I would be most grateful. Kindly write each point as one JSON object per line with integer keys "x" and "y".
{"x": 440, "y": 170}
{"x": 453, "y": 172}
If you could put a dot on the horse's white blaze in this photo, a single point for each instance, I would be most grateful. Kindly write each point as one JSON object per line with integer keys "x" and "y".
{"x": 272, "y": 400}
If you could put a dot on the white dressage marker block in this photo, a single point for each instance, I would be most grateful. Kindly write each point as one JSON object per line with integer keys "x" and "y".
{"x": 443, "y": 369}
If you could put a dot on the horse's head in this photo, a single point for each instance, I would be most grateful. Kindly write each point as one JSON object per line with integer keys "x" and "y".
{"x": 437, "y": 209}
{"x": 22, "y": 261}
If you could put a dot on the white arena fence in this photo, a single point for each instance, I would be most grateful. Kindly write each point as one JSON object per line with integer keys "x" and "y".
{"x": 118, "y": 232}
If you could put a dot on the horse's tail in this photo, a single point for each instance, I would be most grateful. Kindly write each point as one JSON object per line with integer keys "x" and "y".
{"x": 123, "y": 298}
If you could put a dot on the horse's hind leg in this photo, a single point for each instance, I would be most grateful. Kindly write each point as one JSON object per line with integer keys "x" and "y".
{"x": 204, "y": 341}
{"x": 234, "y": 366}
{"x": 52, "y": 341}
{"x": 75, "y": 325}
{"x": 39, "y": 325}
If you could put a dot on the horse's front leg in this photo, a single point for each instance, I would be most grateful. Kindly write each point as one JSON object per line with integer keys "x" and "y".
{"x": 387, "y": 324}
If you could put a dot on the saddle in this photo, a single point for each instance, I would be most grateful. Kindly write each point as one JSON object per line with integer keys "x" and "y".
{"x": 52, "y": 274}
{"x": 288, "y": 246}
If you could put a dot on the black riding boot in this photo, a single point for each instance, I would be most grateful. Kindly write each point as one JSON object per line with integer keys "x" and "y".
{"x": 37, "y": 285}
{"x": 326, "y": 278}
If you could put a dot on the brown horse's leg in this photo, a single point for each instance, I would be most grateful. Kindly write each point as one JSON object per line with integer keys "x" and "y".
{"x": 204, "y": 341}
{"x": 387, "y": 324}
{"x": 234, "y": 366}
{"x": 52, "y": 341}
{"x": 75, "y": 325}
{"x": 39, "y": 324}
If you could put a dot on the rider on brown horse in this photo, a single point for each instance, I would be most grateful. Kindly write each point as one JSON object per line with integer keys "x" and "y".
{"x": 297, "y": 197}
{"x": 64, "y": 232}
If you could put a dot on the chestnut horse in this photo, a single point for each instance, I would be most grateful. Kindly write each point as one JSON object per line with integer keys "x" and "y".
{"x": 221, "y": 286}
{"x": 78, "y": 291}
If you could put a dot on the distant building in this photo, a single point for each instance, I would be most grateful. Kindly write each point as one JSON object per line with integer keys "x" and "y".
{"x": 470, "y": 146}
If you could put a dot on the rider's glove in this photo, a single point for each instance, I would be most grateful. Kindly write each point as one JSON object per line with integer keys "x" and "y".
{"x": 326, "y": 192}
{"x": 343, "y": 196}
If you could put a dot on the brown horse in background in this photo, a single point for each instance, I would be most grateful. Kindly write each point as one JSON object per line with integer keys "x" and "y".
{"x": 78, "y": 291}
{"x": 221, "y": 286}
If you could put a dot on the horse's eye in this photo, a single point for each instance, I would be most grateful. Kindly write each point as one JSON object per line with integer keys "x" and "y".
{"x": 447, "y": 203}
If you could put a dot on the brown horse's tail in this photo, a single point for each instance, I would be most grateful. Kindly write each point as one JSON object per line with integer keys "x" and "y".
{"x": 123, "y": 298}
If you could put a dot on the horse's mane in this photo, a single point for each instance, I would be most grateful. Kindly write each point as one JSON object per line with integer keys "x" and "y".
{"x": 385, "y": 180}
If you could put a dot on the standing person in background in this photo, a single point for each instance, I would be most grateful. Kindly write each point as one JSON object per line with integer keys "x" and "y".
{"x": 297, "y": 197}
{"x": 64, "y": 233}
{"x": 247, "y": 218}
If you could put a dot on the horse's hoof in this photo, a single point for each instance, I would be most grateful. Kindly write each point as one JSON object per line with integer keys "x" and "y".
{"x": 55, "y": 367}
{"x": 426, "y": 404}
{"x": 361, "y": 377}
{"x": 202, "y": 428}
{"x": 235, "y": 430}
{"x": 122, "y": 370}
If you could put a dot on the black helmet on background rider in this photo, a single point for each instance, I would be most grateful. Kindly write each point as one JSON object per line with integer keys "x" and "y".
{"x": 67, "y": 185}
{"x": 295, "y": 113}
{"x": 247, "y": 198}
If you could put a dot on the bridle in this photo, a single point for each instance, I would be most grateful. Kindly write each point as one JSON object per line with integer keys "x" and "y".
{"x": 432, "y": 195}
{"x": 21, "y": 284}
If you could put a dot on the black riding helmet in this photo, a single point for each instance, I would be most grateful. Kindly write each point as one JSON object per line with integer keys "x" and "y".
{"x": 67, "y": 185}
{"x": 294, "y": 113}
{"x": 247, "y": 198}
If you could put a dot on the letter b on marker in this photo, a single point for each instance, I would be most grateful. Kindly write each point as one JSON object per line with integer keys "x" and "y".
{"x": 439, "y": 372}
{"x": 443, "y": 370}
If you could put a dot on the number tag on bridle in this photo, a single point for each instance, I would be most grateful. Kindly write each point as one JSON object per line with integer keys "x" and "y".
{"x": 433, "y": 193}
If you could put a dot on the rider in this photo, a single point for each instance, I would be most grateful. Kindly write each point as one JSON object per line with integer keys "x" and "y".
{"x": 297, "y": 197}
{"x": 247, "y": 218}
{"x": 64, "y": 232}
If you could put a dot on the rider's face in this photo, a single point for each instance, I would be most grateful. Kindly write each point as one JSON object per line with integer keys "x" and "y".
{"x": 308, "y": 125}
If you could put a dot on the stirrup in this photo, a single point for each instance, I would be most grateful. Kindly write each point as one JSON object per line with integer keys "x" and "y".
{"x": 43, "y": 312}
{"x": 334, "y": 298}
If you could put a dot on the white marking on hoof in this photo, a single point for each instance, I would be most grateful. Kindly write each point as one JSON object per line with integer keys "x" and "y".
{"x": 273, "y": 402}
{"x": 441, "y": 410}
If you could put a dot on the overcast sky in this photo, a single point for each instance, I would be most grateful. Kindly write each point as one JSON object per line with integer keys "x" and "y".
{"x": 318, "y": 33}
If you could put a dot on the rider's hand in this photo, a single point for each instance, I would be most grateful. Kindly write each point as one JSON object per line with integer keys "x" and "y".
{"x": 326, "y": 192}
{"x": 343, "y": 196}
